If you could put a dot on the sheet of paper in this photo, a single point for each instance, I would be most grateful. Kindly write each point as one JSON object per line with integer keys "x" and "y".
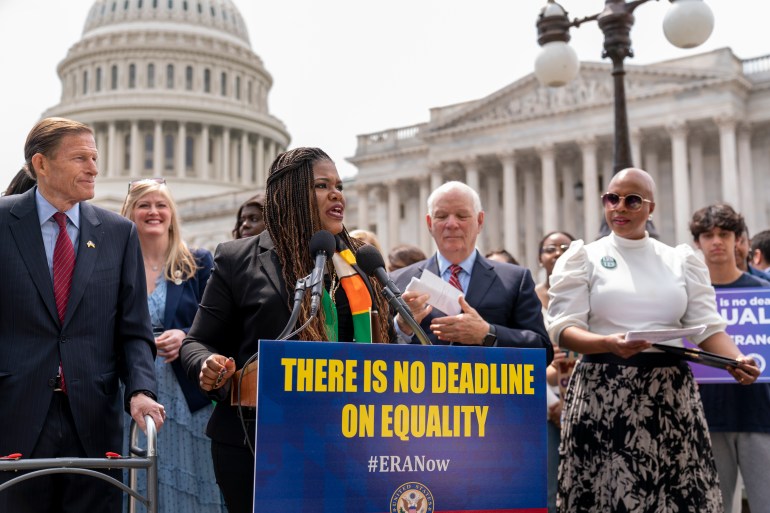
{"x": 663, "y": 335}
{"x": 442, "y": 295}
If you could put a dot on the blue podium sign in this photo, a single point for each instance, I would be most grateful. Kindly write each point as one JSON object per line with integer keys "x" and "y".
{"x": 375, "y": 428}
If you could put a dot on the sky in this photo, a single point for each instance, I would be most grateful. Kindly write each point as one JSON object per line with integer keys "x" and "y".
{"x": 342, "y": 68}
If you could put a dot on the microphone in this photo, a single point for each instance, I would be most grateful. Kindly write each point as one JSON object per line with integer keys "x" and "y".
{"x": 369, "y": 259}
{"x": 322, "y": 246}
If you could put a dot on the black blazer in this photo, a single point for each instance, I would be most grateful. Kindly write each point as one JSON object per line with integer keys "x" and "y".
{"x": 181, "y": 305}
{"x": 106, "y": 334}
{"x": 503, "y": 294}
{"x": 245, "y": 300}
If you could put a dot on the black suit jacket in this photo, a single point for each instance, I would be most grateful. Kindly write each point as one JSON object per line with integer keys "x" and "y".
{"x": 181, "y": 305}
{"x": 245, "y": 300}
{"x": 106, "y": 334}
{"x": 503, "y": 294}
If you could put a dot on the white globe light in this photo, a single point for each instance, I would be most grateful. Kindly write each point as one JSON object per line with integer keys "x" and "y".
{"x": 557, "y": 64}
{"x": 688, "y": 23}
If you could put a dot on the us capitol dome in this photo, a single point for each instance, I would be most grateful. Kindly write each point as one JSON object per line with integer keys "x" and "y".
{"x": 173, "y": 90}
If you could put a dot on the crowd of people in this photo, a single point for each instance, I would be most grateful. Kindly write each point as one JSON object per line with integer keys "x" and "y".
{"x": 115, "y": 312}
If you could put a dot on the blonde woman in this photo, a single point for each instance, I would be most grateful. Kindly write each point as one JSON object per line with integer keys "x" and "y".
{"x": 176, "y": 277}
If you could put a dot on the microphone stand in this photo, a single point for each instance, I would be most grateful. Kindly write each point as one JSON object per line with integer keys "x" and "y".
{"x": 398, "y": 304}
{"x": 299, "y": 293}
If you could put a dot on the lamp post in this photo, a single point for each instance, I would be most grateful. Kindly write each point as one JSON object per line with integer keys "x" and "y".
{"x": 687, "y": 24}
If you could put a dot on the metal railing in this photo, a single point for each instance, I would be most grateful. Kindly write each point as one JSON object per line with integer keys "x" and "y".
{"x": 140, "y": 459}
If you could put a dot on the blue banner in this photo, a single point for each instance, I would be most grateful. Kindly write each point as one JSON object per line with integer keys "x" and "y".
{"x": 747, "y": 312}
{"x": 375, "y": 428}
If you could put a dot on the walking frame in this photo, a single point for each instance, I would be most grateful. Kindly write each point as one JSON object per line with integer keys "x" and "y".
{"x": 139, "y": 459}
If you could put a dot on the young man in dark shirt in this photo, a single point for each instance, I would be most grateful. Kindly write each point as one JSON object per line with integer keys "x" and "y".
{"x": 738, "y": 416}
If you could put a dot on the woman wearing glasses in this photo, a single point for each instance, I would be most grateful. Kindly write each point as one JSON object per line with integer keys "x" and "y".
{"x": 634, "y": 436}
{"x": 176, "y": 277}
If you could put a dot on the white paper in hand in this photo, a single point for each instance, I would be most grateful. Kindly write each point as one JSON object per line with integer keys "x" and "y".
{"x": 663, "y": 335}
{"x": 442, "y": 295}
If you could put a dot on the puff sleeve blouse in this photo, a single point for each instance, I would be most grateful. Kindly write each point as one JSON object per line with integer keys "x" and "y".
{"x": 615, "y": 285}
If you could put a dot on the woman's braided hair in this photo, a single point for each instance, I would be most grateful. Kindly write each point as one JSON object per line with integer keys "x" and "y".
{"x": 291, "y": 219}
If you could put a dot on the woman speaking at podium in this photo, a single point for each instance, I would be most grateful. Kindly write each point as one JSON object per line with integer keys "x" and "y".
{"x": 250, "y": 294}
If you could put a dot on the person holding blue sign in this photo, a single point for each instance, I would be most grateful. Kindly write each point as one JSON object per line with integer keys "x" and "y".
{"x": 249, "y": 297}
{"x": 738, "y": 417}
{"x": 633, "y": 431}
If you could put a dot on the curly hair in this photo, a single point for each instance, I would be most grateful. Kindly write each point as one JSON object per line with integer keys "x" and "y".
{"x": 720, "y": 215}
{"x": 291, "y": 219}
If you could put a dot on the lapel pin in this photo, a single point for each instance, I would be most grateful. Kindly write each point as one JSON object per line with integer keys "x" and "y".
{"x": 90, "y": 244}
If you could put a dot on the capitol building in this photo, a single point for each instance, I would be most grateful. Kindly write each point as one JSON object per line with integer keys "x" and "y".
{"x": 173, "y": 89}
{"x": 541, "y": 157}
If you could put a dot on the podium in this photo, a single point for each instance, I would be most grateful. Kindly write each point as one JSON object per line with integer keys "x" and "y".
{"x": 373, "y": 428}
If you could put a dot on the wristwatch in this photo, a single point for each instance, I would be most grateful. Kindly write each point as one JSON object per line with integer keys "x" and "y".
{"x": 491, "y": 337}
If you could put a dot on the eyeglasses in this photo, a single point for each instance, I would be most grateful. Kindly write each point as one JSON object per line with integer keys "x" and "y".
{"x": 551, "y": 249}
{"x": 632, "y": 201}
{"x": 160, "y": 181}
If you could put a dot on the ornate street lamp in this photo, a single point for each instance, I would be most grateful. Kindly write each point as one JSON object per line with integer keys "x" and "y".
{"x": 687, "y": 24}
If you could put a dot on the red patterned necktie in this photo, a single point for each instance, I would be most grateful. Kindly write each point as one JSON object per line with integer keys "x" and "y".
{"x": 63, "y": 265}
{"x": 454, "y": 277}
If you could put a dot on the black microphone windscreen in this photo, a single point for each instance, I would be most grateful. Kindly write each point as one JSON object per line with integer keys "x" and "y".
{"x": 369, "y": 258}
{"x": 322, "y": 240}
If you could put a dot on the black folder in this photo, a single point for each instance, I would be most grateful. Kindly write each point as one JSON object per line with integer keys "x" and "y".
{"x": 698, "y": 356}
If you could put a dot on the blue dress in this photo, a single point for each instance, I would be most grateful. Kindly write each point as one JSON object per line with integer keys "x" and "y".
{"x": 186, "y": 481}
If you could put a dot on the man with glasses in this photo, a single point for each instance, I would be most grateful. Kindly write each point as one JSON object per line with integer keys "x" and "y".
{"x": 73, "y": 322}
{"x": 499, "y": 304}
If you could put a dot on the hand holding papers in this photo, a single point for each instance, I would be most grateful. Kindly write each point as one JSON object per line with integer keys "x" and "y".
{"x": 663, "y": 335}
{"x": 686, "y": 353}
{"x": 442, "y": 295}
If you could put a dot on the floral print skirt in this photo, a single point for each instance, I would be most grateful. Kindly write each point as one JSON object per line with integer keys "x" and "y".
{"x": 634, "y": 439}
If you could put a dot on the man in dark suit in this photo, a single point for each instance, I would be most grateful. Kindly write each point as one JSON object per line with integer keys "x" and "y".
{"x": 73, "y": 321}
{"x": 499, "y": 304}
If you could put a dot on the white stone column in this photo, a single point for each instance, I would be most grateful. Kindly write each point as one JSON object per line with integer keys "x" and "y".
{"x": 102, "y": 148}
{"x": 681, "y": 180}
{"x": 472, "y": 173}
{"x": 530, "y": 221}
{"x": 510, "y": 204}
{"x": 394, "y": 203}
{"x": 548, "y": 199}
{"x": 157, "y": 149}
{"x": 381, "y": 207}
{"x": 568, "y": 220}
{"x": 746, "y": 174}
{"x": 134, "y": 170}
{"x": 245, "y": 160}
{"x": 424, "y": 239}
{"x": 661, "y": 208}
{"x": 636, "y": 147}
{"x": 262, "y": 168}
{"x": 697, "y": 181}
{"x": 112, "y": 150}
{"x": 180, "y": 153}
{"x": 728, "y": 160}
{"x": 120, "y": 152}
{"x": 363, "y": 206}
{"x": 226, "y": 175}
{"x": 436, "y": 177}
{"x": 492, "y": 219}
{"x": 591, "y": 204}
{"x": 204, "y": 152}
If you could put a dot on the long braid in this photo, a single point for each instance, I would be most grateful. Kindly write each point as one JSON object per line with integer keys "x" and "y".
{"x": 291, "y": 218}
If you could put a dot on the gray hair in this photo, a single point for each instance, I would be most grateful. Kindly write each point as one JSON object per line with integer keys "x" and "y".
{"x": 454, "y": 186}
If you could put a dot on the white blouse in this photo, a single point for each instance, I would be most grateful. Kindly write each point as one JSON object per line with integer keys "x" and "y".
{"x": 615, "y": 285}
